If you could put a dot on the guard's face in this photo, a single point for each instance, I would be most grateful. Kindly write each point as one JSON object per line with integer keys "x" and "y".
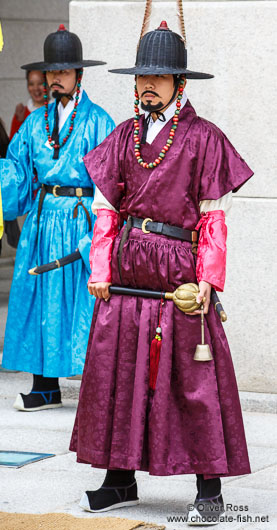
{"x": 63, "y": 81}
{"x": 155, "y": 89}
{"x": 35, "y": 85}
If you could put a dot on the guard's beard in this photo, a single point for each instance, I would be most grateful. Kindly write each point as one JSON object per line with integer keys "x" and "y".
{"x": 148, "y": 107}
{"x": 59, "y": 95}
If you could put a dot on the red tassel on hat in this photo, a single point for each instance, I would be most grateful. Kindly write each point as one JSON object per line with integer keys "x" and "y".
{"x": 155, "y": 350}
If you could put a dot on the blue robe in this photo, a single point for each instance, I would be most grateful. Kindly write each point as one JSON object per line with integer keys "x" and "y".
{"x": 49, "y": 315}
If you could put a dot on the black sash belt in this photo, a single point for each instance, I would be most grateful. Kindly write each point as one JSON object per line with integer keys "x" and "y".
{"x": 66, "y": 191}
{"x": 147, "y": 225}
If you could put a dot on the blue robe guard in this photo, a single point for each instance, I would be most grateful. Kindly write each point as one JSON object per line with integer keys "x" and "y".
{"x": 49, "y": 316}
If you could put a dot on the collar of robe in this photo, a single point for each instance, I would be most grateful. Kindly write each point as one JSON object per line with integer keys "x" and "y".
{"x": 136, "y": 130}
{"x": 54, "y": 139}
{"x": 55, "y": 133}
{"x": 160, "y": 116}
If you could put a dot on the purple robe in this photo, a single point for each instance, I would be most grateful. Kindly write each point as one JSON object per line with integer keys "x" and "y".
{"x": 192, "y": 423}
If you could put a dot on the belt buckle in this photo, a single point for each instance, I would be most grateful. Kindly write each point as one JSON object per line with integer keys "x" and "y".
{"x": 144, "y": 223}
{"x": 79, "y": 193}
{"x": 54, "y": 191}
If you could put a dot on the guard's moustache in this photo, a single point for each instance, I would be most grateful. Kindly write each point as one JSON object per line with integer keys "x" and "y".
{"x": 149, "y": 92}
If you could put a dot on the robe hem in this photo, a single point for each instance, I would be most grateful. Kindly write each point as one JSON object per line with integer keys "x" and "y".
{"x": 209, "y": 469}
{"x": 35, "y": 371}
{"x": 162, "y": 470}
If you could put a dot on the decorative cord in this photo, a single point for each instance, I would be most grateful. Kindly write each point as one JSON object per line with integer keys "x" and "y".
{"x": 146, "y": 19}
{"x": 180, "y": 15}
{"x": 147, "y": 15}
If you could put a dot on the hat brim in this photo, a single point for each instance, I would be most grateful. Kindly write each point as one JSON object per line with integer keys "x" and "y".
{"x": 148, "y": 70}
{"x": 48, "y": 67}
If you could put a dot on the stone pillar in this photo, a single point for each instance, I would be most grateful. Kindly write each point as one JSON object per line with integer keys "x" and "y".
{"x": 234, "y": 40}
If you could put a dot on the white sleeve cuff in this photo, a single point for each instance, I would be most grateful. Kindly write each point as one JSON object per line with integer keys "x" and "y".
{"x": 100, "y": 202}
{"x": 223, "y": 203}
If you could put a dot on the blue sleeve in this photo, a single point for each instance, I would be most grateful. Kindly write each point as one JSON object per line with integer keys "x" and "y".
{"x": 16, "y": 174}
{"x": 98, "y": 128}
{"x": 104, "y": 131}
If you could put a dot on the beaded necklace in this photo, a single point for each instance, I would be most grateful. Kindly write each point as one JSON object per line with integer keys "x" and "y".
{"x": 169, "y": 142}
{"x": 52, "y": 142}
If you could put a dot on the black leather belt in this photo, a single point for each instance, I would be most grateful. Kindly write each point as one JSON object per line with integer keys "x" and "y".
{"x": 147, "y": 226}
{"x": 66, "y": 191}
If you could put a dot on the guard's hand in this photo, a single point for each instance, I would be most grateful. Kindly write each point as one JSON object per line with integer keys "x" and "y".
{"x": 20, "y": 112}
{"x": 100, "y": 290}
{"x": 204, "y": 293}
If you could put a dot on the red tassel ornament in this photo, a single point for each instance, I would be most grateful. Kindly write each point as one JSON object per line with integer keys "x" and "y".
{"x": 155, "y": 350}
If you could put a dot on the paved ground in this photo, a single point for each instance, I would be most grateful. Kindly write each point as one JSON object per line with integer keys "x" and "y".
{"x": 58, "y": 483}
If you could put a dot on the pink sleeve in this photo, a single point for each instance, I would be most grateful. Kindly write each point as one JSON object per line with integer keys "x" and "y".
{"x": 104, "y": 234}
{"x": 211, "y": 254}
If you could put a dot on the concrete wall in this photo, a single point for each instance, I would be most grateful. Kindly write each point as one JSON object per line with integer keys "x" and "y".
{"x": 235, "y": 40}
{"x": 25, "y": 25}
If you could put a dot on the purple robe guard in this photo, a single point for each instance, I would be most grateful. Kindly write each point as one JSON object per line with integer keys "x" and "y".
{"x": 192, "y": 423}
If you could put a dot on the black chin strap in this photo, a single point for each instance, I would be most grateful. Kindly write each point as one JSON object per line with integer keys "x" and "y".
{"x": 55, "y": 133}
{"x": 159, "y": 114}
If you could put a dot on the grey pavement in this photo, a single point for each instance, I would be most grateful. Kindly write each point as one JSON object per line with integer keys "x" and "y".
{"x": 56, "y": 484}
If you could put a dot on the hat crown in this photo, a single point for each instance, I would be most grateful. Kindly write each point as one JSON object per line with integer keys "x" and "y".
{"x": 62, "y": 46}
{"x": 162, "y": 49}
{"x": 162, "y": 52}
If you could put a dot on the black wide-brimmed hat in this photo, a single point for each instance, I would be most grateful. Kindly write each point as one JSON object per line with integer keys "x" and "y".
{"x": 62, "y": 51}
{"x": 162, "y": 52}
